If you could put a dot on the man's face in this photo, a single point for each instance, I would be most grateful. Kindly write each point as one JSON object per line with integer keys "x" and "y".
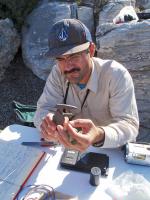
{"x": 76, "y": 67}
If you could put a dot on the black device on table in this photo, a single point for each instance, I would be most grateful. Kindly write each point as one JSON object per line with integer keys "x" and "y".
{"x": 74, "y": 160}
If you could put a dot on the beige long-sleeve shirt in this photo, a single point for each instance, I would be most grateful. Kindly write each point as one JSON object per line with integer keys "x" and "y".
{"x": 110, "y": 104}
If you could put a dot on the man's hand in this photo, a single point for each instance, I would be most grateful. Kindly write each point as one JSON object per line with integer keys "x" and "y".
{"x": 89, "y": 135}
{"x": 48, "y": 128}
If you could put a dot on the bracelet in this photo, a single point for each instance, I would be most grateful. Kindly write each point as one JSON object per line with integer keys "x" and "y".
{"x": 99, "y": 143}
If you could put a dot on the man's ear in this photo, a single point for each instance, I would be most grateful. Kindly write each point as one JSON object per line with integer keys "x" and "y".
{"x": 92, "y": 49}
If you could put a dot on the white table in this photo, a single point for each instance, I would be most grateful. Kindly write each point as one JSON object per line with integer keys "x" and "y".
{"x": 68, "y": 181}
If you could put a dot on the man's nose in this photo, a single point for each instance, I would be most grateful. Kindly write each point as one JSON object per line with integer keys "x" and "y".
{"x": 68, "y": 60}
{"x": 68, "y": 64}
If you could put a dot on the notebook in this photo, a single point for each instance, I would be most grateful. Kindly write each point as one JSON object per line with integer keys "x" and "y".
{"x": 17, "y": 162}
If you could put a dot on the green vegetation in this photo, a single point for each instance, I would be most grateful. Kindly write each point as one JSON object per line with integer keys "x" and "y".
{"x": 17, "y": 10}
{"x": 79, "y": 2}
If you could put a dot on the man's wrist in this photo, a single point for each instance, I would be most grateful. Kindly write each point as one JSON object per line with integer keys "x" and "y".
{"x": 99, "y": 141}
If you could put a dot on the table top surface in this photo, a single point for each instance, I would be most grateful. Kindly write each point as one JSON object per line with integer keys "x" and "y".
{"x": 68, "y": 181}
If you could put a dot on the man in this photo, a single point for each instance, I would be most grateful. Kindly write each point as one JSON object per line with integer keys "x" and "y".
{"x": 102, "y": 90}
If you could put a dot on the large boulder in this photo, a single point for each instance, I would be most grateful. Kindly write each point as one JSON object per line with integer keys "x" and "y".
{"x": 85, "y": 14}
{"x": 35, "y": 36}
{"x": 9, "y": 44}
{"x": 129, "y": 43}
{"x": 97, "y": 5}
{"x": 35, "y": 33}
{"x": 111, "y": 9}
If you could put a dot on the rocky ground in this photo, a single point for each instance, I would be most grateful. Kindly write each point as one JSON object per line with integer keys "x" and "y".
{"x": 19, "y": 84}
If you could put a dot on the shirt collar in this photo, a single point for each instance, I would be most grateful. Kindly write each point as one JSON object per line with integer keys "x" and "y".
{"x": 93, "y": 81}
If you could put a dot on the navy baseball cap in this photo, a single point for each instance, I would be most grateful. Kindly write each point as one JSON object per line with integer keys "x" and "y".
{"x": 68, "y": 36}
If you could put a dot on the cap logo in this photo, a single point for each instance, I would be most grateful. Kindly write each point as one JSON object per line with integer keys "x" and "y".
{"x": 63, "y": 35}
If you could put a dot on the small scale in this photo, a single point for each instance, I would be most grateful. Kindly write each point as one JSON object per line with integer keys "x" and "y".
{"x": 74, "y": 160}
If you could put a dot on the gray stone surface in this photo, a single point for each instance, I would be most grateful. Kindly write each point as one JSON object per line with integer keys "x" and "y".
{"x": 9, "y": 43}
{"x": 35, "y": 36}
{"x": 143, "y": 4}
{"x": 111, "y": 9}
{"x": 85, "y": 14}
{"x": 129, "y": 43}
{"x": 97, "y": 5}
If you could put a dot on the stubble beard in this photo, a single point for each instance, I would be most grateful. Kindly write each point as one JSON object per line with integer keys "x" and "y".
{"x": 82, "y": 74}
{"x": 74, "y": 75}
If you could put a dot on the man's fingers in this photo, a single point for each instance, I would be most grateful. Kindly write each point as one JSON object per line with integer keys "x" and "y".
{"x": 63, "y": 139}
{"x": 44, "y": 134}
{"x": 62, "y": 136}
{"x": 81, "y": 123}
{"x": 78, "y": 136}
{"x": 47, "y": 131}
{"x": 66, "y": 120}
{"x": 48, "y": 120}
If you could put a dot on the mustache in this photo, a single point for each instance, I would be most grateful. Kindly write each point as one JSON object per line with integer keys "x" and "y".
{"x": 72, "y": 70}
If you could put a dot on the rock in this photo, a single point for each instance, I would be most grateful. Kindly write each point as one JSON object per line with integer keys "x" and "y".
{"x": 146, "y": 11}
{"x": 143, "y": 4}
{"x": 9, "y": 44}
{"x": 35, "y": 37}
{"x": 111, "y": 9}
{"x": 129, "y": 44}
{"x": 85, "y": 14}
{"x": 126, "y": 14}
{"x": 97, "y": 5}
{"x": 16, "y": 10}
{"x": 90, "y": 3}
